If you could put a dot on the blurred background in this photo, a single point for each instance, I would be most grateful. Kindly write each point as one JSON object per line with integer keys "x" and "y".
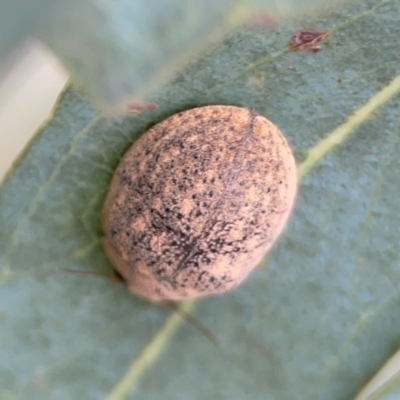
{"x": 30, "y": 82}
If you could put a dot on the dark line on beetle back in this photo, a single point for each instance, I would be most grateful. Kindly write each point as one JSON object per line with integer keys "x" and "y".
{"x": 238, "y": 160}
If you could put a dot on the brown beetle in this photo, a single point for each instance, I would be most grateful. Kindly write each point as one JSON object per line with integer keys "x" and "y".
{"x": 197, "y": 201}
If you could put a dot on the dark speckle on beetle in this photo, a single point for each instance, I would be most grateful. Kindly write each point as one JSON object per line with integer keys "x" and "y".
{"x": 180, "y": 222}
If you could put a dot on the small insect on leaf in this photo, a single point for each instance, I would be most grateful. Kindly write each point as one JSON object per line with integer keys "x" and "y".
{"x": 307, "y": 39}
{"x": 197, "y": 201}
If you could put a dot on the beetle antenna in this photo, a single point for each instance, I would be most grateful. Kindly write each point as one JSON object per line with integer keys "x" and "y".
{"x": 191, "y": 320}
{"x": 112, "y": 277}
{"x": 166, "y": 304}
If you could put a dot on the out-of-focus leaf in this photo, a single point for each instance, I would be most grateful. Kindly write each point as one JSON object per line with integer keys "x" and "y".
{"x": 122, "y": 50}
{"x": 18, "y": 19}
{"x": 315, "y": 325}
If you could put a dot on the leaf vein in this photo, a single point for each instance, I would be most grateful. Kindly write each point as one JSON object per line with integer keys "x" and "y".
{"x": 6, "y": 270}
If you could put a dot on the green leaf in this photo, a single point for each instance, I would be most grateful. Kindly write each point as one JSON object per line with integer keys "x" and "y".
{"x": 122, "y": 50}
{"x": 315, "y": 325}
{"x": 19, "y": 18}
{"x": 386, "y": 381}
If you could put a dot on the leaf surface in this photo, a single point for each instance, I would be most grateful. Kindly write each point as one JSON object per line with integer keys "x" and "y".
{"x": 123, "y": 50}
{"x": 317, "y": 323}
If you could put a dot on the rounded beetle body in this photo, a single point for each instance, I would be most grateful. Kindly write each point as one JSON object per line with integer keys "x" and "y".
{"x": 197, "y": 201}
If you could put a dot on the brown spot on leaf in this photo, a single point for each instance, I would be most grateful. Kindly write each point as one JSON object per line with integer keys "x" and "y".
{"x": 307, "y": 39}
